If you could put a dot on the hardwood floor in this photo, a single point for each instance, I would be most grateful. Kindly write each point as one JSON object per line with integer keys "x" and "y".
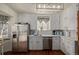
{"x": 37, "y": 52}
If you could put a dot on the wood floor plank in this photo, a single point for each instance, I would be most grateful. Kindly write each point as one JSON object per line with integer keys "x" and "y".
{"x": 37, "y": 52}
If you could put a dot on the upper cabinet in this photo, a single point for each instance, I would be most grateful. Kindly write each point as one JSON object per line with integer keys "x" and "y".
{"x": 28, "y": 18}
{"x": 55, "y": 21}
{"x": 68, "y": 20}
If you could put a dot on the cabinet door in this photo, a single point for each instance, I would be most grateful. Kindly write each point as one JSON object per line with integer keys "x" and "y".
{"x": 56, "y": 43}
{"x": 39, "y": 43}
{"x": 55, "y": 22}
{"x": 35, "y": 43}
{"x": 7, "y": 46}
{"x": 32, "y": 42}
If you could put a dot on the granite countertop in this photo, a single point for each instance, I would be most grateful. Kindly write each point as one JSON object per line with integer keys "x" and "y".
{"x": 49, "y": 35}
{"x": 45, "y": 35}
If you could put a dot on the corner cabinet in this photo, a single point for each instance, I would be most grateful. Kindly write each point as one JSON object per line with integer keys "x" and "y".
{"x": 35, "y": 43}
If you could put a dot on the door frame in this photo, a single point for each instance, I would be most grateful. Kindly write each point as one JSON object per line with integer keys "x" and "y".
{"x": 77, "y": 33}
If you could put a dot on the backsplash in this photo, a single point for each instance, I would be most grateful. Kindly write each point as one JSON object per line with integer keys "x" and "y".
{"x": 32, "y": 32}
{"x": 48, "y": 32}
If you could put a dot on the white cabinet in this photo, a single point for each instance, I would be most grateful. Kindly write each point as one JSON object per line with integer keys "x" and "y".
{"x": 39, "y": 43}
{"x": 68, "y": 45}
{"x": 35, "y": 43}
{"x": 63, "y": 45}
{"x": 32, "y": 44}
{"x": 56, "y": 43}
{"x": 69, "y": 18}
{"x": 28, "y": 18}
{"x": 7, "y": 46}
{"x": 55, "y": 21}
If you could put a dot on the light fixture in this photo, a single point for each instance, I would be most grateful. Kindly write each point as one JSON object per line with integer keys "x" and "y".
{"x": 50, "y": 6}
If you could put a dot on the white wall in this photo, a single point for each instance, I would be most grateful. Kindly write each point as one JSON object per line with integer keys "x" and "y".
{"x": 6, "y": 10}
{"x": 32, "y": 19}
{"x": 69, "y": 22}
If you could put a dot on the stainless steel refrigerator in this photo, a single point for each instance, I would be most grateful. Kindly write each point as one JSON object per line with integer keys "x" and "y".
{"x": 21, "y": 38}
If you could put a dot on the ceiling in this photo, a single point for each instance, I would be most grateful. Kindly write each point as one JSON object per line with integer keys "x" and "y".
{"x": 30, "y": 8}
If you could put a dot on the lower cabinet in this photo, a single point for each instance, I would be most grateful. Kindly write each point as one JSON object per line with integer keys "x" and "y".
{"x": 7, "y": 46}
{"x": 68, "y": 45}
{"x": 56, "y": 43}
{"x": 35, "y": 43}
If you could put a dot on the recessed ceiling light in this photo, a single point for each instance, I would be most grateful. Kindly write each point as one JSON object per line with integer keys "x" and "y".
{"x": 54, "y": 6}
{"x": 58, "y": 6}
{"x": 39, "y": 6}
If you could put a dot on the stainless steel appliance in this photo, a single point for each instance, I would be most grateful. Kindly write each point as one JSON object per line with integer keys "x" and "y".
{"x": 47, "y": 43}
{"x": 20, "y": 40}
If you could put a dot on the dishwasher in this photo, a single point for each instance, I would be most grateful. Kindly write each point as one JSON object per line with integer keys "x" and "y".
{"x": 47, "y": 43}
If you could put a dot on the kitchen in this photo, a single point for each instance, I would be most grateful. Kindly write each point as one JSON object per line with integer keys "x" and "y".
{"x": 48, "y": 29}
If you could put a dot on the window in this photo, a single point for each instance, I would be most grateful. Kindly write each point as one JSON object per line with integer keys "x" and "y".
{"x": 43, "y": 23}
{"x": 4, "y": 24}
